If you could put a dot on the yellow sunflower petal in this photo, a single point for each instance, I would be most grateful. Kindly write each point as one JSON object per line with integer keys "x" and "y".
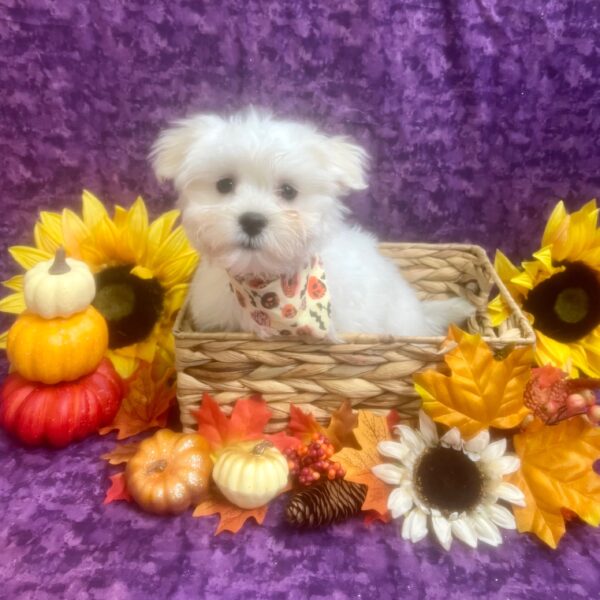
{"x": 498, "y": 311}
{"x": 14, "y": 283}
{"x": 93, "y": 210}
{"x": 3, "y": 339}
{"x": 504, "y": 267}
{"x": 137, "y": 229}
{"x": 75, "y": 232}
{"x": 14, "y": 303}
{"x": 557, "y": 227}
{"x": 175, "y": 244}
{"x": 48, "y": 232}
{"x": 549, "y": 351}
{"x": 120, "y": 217}
{"x": 178, "y": 270}
{"x": 28, "y": 257}
{"x": 160, "y": 229}
{"x": 142, "y": 272}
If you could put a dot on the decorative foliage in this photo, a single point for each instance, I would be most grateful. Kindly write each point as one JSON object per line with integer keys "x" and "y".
{"x": 480, "y": 392}
{"x": 150, "y": 392}
{"x": 326, "y": 503}
{"x": 117, "y": 490}
{"x": 120, "y": 454}
{"x": 557, "y": 473}
{"x": 231, "y": 517}
{"x": 358, "y": 463}
{"x": 247, "y": 421}
{"x": 560, "y": 291}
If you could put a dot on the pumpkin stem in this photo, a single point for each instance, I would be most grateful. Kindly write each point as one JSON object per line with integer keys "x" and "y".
{"x": 158, "y": 466}
{"x": 261, "y": 447}
{"x": 59, "y": 266}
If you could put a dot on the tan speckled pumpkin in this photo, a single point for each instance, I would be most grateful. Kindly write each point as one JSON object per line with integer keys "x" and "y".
{"x": 169, "y": 472}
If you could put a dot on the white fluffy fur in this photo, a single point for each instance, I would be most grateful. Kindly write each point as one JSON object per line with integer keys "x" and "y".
{"x": 261, "y": 153}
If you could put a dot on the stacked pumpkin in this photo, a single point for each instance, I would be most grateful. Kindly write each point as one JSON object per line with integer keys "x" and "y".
{"x": 62, "y": 388}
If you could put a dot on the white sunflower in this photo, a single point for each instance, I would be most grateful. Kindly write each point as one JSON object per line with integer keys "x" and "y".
{"x": 448, "y": 484}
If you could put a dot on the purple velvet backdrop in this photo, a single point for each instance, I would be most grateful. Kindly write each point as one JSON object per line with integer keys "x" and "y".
{"x": 478, "y": 114}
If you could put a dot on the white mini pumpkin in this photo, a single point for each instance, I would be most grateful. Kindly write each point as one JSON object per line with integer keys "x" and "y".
{"x": 250, "y": 474}
{"x": 59, "y": 287}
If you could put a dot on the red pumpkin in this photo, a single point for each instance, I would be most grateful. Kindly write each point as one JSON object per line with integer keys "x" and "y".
{"x": 62, "y": 413}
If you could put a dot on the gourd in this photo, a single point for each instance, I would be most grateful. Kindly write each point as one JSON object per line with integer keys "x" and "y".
{"x": 250, "y": 474}
{"x": 59, "y": 287}
{"x": 169, "y": 472}
{"x": 59, "y": 414}
{"x": 60, "y": 349}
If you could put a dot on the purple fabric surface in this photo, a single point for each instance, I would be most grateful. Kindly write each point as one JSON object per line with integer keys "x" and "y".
{"x": 478, "y": 114}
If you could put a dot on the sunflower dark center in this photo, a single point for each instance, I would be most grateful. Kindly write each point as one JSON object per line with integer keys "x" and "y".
{"x": 566, "y": 306}
{"x": 448, "y": 480}
{"x": 131, "y": 305}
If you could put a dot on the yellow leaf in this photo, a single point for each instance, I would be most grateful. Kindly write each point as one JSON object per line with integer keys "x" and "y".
{"x": 480, "y": 392}
{"x": 120, "y": 453}
{"x": 231, "y": 518}
{"x": 15, "y": 303}
{"x": 371, "y": 430}
{"x": 28, "y": 257}
{"x": 557, "y": 472}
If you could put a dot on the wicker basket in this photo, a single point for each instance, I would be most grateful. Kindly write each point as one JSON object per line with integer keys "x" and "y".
{"x": 373, "y": 371}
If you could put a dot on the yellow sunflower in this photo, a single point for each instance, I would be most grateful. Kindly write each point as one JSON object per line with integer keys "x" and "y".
{"x": 559, "y": 290}
{"x": 142, "y": 272}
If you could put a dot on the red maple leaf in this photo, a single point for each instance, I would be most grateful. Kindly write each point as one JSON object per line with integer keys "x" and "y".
{"x": 117, "y": 490}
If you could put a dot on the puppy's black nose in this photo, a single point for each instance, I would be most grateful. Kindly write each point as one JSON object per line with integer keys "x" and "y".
{"x": 252, "y": 223}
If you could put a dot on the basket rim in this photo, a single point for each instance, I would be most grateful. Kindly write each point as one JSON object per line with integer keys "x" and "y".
{"x": 364, "y": 338}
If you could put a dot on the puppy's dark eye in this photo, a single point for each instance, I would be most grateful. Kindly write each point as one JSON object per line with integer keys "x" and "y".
{"x": 225, "y": 185}
{"x": 287, "y": 192}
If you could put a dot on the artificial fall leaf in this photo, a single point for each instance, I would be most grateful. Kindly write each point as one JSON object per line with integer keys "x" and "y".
{"x": 373, "y": 516}
{"x": 247, "y": 421}
{"x": 231, "y": 518}
{"x": 480, "y": 392}
{"x": 341, "y": 427}
{"x": 303, "y": 426}
{"x": 557, "y": 473}
{"x": 117, "y": 490}
{"x": 120, "y": 454}
{"x": 371, "y": 430}
{"x": 393, "y": 418}
{"x": 146, "y": 403}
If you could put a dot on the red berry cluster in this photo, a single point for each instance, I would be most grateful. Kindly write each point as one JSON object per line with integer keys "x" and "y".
{"x": 310, "y": 463}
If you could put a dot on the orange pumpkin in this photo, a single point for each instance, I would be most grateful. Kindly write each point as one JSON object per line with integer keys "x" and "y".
{"x": 60, "y": 349}
{"x": 169, "y": 472}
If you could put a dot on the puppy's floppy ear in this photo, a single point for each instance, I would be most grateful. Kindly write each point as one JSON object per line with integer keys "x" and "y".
{"x": 173, "y": 144}
{"x": 348, "y": 163}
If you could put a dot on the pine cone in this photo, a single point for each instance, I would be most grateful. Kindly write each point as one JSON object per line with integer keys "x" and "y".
{"x": 328, "y": 502}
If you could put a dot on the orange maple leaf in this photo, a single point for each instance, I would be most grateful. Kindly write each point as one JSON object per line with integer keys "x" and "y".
{"x": 117, "y": 490}
{"x": 303, "y": 426}
{"x": 231, "y": 518}
{"x": 371, "y": 430}
{"x": 120, "y": 454}
{"x": 557, "y": 473}
{"x": 481, "y": 392}
{"x": 247, "y": 421}
{"x": 149, "y": 395}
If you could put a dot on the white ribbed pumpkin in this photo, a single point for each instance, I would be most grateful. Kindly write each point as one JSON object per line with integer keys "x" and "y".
{"x": 250, "y": 474}
{"x": 59, "y": 287}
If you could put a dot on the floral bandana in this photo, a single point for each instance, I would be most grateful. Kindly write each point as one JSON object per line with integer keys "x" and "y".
{"x": 287, "y": 305}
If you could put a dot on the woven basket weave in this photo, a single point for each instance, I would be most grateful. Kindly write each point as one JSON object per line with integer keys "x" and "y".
{"x": 373, "y": 371}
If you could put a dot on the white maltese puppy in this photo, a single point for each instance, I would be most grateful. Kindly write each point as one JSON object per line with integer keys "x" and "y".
{"x": 260, "y": 200}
